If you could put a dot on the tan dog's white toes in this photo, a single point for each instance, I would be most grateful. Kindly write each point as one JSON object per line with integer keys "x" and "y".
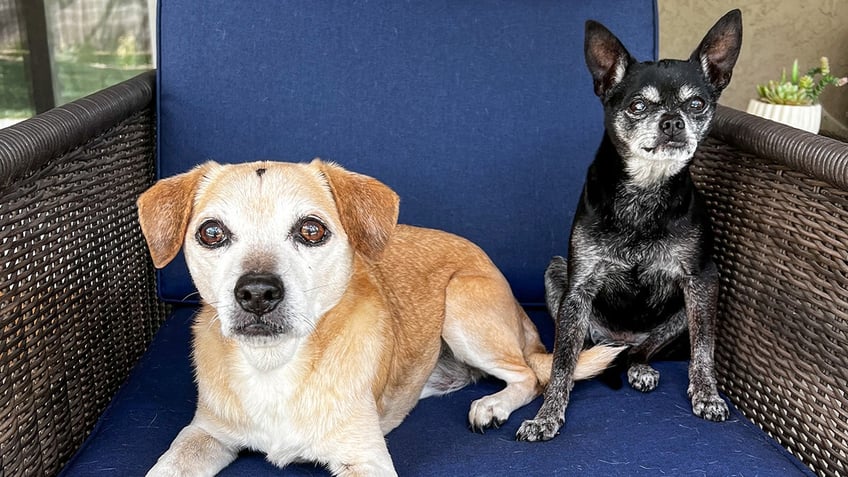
{"x": 487, "y": 412}
{"x": 643, "y": 377}
{"x": 376, "y": 467}
{"x": 194, "y": 453}
{"x": 493, "y": 410}
{"x": 364, "y": 471}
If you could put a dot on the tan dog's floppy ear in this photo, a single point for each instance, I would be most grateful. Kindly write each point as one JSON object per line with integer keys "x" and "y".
{"x": 368, "y": 208}
{"x": 164, "y": 211}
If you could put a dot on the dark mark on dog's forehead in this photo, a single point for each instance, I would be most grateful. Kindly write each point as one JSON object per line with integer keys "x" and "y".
{"x": 260, "y": 171}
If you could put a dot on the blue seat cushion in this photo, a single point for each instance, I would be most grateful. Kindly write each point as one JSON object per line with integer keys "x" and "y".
{"x": 607, "y": 432}
{"x": 479, "y": 113}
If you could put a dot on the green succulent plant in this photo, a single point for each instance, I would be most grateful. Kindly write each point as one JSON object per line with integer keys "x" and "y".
{"x": 797, "y": 89}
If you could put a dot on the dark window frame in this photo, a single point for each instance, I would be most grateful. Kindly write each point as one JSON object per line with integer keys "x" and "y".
{"x": 38, "y": 61}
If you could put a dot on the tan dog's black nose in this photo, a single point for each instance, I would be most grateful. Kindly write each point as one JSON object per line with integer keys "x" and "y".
{"x": 259, "y": 293}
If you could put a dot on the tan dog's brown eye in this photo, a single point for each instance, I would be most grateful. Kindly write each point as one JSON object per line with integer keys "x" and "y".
{"x": 312, "y": 231}
{"x": 212, "y": 233}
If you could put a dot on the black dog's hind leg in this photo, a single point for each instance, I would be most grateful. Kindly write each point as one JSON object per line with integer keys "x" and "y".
{"x": 642, "y": 376}
{"x": 556, "y": 283}
{"x": 700, "y": 294}
{"x": 572, "y": 305}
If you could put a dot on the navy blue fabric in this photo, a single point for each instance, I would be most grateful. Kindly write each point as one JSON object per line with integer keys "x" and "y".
{"x": 607, "y": 432}
{"x": 479, "y": 113}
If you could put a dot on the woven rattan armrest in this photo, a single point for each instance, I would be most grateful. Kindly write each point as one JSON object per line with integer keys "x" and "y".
{"x": 78, "y": 303}
{"x": 778, "y": 200}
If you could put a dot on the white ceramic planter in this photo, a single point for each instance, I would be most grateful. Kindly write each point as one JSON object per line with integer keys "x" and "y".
{"x": 807, "y": 118}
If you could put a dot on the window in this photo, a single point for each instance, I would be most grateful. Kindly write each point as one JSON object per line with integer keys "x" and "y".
{"x": 15, "y": 96}
{"x": 55, "y": 51}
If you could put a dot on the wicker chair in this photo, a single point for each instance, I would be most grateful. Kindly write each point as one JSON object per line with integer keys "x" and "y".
{"x": 78, "y": 302}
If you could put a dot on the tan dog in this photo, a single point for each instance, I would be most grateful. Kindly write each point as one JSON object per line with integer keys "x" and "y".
{"x": 325, "y": 322}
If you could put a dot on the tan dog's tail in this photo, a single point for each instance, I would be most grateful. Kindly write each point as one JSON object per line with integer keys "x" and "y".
{"x": 590, "y": 363}
{"x": 595, "y": 360}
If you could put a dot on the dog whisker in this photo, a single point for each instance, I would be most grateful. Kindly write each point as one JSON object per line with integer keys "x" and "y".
{"x": 316, "y": 288}
{"x": 215, "y": 318}
{"x": 190, "y": 295}
{"x": 310, "y": 324}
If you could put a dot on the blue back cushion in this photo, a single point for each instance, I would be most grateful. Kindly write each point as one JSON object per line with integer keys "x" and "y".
{"x": 479, "y": 113}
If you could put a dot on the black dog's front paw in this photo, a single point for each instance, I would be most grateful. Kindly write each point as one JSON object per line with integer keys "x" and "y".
{"x": 710, "y": 406}
{"x": 643, "y": 377}
{"x": 541, "y": 429}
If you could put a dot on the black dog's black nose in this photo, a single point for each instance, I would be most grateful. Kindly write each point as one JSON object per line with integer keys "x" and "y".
{"x": 672, "y": 124}
{"x": 259, "y": 293}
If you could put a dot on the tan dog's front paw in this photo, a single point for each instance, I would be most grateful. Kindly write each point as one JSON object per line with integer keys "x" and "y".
{"x": 159, "y": 471}
{"x": 194, "y": 453}
{"x": 167, "y": 469}
{"x": 383, "y": 469}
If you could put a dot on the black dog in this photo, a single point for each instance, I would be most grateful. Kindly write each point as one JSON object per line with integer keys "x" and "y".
{"x": 639, "y": 269}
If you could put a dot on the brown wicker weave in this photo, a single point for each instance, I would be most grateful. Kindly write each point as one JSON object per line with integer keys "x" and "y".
{"x": 779, "y": 204}
{"x": 77, "y": 303}
{"x": 77, "y": 297}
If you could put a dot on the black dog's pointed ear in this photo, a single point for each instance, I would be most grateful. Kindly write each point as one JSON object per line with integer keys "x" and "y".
{"x": 606, "y": 57}
{"x": 719, "y": 50}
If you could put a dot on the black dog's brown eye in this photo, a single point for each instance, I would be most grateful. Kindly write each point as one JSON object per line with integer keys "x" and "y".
{"x": 697, "y": 104}
{"x": 637, "y": 107}
{"x": 212, "y": 233}
{"x": 312, "y": 231}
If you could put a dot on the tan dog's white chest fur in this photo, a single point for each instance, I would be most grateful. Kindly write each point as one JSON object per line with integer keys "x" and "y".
{"x": 288, "y": 386}
{"x": 324, "y": 322}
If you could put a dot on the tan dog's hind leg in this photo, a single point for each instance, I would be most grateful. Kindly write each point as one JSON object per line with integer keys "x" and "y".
{"x": 193, "y": 453}
{"x": 484, "y": 329}
{"x": 488, "y": 330}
